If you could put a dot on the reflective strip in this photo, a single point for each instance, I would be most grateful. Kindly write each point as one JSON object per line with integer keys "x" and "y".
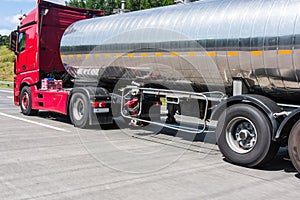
{"x": 158, "y": 54}
{"x": 212, "y": 53}
{"x": 233, "y": 53}
{"x": 285, "y": 52}
{"x": 174, "y": 54}
{"x": 256, "y": 53}
{"x": 192, "y": 54}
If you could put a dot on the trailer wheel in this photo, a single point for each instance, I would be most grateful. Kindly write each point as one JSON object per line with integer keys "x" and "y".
{"x": 79, "y": 110}
{"x": 294, "y": 145}
{"x": 26, "y": 102}
{"x": 244, "y": 136}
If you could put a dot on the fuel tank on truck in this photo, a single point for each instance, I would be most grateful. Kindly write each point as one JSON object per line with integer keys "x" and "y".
{"x": 206, "y": 44}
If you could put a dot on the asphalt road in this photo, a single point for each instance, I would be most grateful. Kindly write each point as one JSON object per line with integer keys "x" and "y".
{"x": 45, "y": 157}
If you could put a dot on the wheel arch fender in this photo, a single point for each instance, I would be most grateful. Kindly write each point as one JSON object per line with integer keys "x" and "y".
{"x": 287, "y": 125}
{"x": 32, "y": 88}
{"x": 82, "y": 90}
{"x": 26, "y": 82}
{"x": 264, "y": 104}
{"x": 23, "y": 84}
{"x": 90, "y": 93}
{"x": 17, "y": 93}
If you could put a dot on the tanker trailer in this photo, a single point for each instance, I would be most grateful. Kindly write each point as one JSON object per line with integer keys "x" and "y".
{"x": 239, "y": 61}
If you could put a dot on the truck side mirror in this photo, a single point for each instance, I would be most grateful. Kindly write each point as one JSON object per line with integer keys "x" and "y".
{"x": 13, "y": 46}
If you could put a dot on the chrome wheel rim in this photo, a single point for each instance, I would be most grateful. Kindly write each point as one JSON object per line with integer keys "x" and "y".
{"x": 78, "y": 109}
{"x": 25, "y": 101}
{"x": 241, "y": 135}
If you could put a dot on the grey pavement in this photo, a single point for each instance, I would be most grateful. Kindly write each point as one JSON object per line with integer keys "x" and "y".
{"x": 45, "y": 157}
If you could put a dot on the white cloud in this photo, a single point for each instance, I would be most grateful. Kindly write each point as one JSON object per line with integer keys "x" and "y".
{"x": 10, "y": 22}
{"x": 4, "y": 32}
{"x": 13, "y": 19}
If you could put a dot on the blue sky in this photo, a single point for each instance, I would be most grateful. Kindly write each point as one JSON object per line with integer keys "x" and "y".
{"x": 11, "y": 10}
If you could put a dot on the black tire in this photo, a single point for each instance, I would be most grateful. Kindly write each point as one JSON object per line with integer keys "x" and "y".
{"x": 244, "y": 136}
{"x": 294, "y": 145}
{"x": 79, "y": 110}
{"x": 26, "y": 102}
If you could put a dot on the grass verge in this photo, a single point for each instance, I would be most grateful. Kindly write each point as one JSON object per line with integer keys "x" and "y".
{"x": 6, "y": 64}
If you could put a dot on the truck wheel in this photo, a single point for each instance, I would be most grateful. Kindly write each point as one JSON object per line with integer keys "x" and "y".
{"x": 244, "y": 136}
{"x": 79, "y": 110}
{"x": 294, "y": 146}
{"x": 26, "y": 102}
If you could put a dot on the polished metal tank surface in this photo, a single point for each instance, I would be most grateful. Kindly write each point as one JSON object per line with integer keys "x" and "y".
{"x": 209, "y": 43}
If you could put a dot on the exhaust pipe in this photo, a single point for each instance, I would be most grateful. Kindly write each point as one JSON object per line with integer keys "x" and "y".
{"x": 184, "y": 1}
{"x": 123, "y": 6}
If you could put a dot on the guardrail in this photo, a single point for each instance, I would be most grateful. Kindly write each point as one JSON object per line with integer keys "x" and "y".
{"x": 6, "y": 83}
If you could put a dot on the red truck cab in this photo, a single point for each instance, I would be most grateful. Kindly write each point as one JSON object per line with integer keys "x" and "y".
{"x": 36, "y": 43}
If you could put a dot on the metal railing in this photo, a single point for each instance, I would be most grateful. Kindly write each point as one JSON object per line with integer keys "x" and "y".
{"x": 6, "y": 83}
{"x": 205, "y": 96}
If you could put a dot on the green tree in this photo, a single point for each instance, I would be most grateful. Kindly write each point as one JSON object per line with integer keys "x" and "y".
{"x": 4, "y": 40}
{"x": 146, "y": 4}
{"x": 76, "y": 3}
{"x": 108, "y": 5}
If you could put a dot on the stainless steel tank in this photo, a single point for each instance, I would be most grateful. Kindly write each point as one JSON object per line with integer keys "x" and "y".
{"x": 209, "y": 43}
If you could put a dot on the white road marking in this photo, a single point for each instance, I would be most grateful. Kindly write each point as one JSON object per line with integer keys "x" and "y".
{"x": 33, "y": 122}
{"x": 10, "y": 97}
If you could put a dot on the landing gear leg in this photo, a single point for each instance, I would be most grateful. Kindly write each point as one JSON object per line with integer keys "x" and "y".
{"x": 172, "y": 109}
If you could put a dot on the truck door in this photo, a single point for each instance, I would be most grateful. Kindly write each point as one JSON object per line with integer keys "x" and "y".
{"x": 25, "y": 54}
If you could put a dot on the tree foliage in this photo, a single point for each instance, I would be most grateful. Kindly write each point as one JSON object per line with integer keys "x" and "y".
{"x": 4, "y": 40}
{"x": 108, "y": 5}
{"x": 145, "y": 4}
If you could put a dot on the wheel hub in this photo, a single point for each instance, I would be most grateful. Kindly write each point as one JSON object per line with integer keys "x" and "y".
{"x": 245, "y": 139}
{"x": 25, "y": 101}
{"x": 241, "y": 135}
{"x": 78, "y": 109}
